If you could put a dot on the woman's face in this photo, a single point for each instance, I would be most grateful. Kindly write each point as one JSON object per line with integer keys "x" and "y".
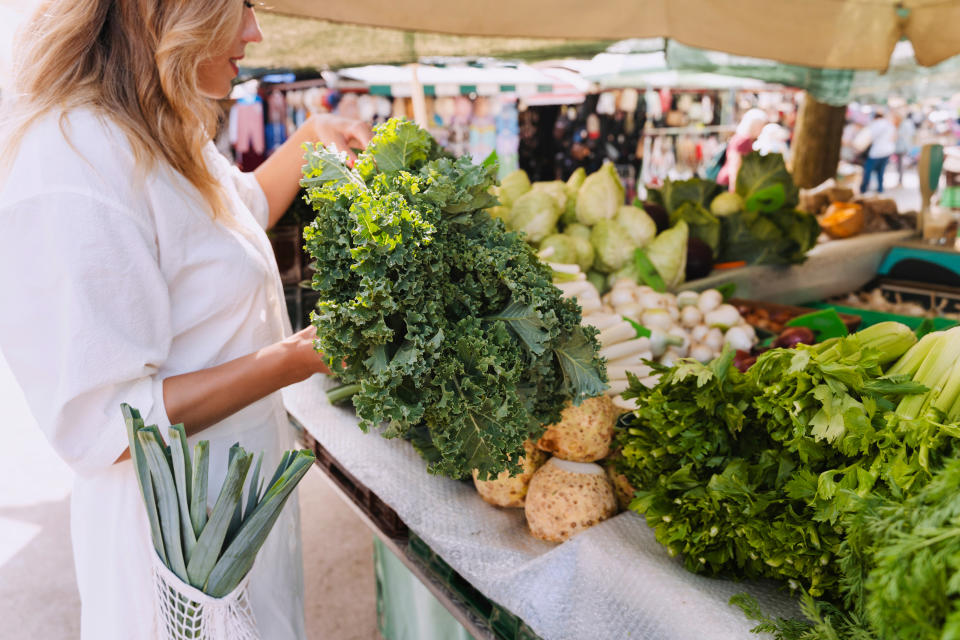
{"x": 215, "y": 74}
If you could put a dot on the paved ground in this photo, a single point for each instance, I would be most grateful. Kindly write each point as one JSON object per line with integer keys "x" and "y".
{"x": 38, "y": 597}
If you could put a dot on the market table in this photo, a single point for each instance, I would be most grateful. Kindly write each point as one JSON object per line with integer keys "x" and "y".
{"x": 611, "y": 581}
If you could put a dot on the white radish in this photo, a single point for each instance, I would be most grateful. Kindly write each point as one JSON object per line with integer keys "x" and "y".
{"x": 601, "y": 320}
{"x": 650, "y": 381}
{"x": 577, "y": 288}
{"x": 634, "y": 358}
{"x": 724, "y": 317}
{"x": 699, "y": 332}
{"x": 631, "y": 310}
{"x": 624, "y": 349}
{"x": 617, "y": 387}
{"x": 650, "y": 300}
{"x": 620, "y": 373}
{"x": 714, "y": 340}
{"x": 690, "y": 316}
{"x": 620, "y": 332}
{"x": 701, "y": 353}
{"x": 656, "y": 319}
{"x": 737, "y": 338}
{"x": 620, "y": 296}
{"x": 683, "y": 348}
{"x": 589, "y": 306}
{"x": 569, "y": 269}
{"x": 547, "y": 253}
{"x": 625, "y": 405}
{"x": 750, "y": 331}
{"x": 670, "y": 357}
{"x": 687, "y": 299}
{"x": 709, "y": 300}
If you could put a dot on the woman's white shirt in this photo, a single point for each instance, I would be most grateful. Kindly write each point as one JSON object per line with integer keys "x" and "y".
{"x": 112, "y": 279}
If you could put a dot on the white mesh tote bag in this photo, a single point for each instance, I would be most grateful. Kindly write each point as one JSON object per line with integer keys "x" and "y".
{"x": 183, "y": 612}
{"x": 202, "y": 560}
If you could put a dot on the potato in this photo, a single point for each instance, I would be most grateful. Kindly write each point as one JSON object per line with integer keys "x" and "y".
{"x": 507, "y": 491}
{"x": 567, "y": 497}
{"x": 584, "y": 433}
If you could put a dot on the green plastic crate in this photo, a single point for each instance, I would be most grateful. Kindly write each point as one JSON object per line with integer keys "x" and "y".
{"x": 400, "y": 599}
{"x": 874, "y": 317}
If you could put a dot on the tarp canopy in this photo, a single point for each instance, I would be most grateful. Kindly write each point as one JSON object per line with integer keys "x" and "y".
{"x": 841, "y": 34}
{"x": 297, "y": 43}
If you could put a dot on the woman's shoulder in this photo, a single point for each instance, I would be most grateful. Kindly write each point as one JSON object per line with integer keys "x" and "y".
{"x": 79, "y": 151}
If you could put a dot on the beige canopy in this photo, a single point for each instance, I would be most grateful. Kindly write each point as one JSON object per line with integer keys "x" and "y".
{"x": 852, "y": 34}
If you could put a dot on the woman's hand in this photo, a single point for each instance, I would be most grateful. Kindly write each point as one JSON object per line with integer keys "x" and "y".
{"x": 304, "y": 357}
{"x": 344, "y": 133}
{"x": 279, "y": 175}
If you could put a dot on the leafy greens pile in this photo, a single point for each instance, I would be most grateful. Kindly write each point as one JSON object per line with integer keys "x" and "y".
{"x": 829, "y": 466}
{"x": 765, "y": 229}
{"x": 448, "y": 325}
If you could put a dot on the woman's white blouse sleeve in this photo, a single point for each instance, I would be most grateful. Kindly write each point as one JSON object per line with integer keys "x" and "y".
{"x": 84, "y": 319}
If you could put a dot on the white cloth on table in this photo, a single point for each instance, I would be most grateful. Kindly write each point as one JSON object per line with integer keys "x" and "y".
{"x": 112, "y": 279}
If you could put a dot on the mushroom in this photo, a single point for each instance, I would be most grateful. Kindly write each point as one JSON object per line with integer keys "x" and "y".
{"x": 566, "y": 498}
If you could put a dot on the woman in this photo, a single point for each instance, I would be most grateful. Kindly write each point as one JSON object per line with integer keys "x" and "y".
{"x": 740, "y": 144}
{"x": 134, "y": 267}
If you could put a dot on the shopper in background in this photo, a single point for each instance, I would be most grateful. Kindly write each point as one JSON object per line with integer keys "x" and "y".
{"x": 883, "y": 142}
{"x": 906, "y": 136}
{"x": 135, "y": 267}
{"x": 740, "y": 144}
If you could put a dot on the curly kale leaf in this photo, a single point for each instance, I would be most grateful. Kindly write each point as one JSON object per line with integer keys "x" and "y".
{"x": 448, "y": 323}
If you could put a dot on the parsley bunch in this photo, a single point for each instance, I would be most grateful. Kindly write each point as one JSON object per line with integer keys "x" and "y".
{"x": 448, "y": 326}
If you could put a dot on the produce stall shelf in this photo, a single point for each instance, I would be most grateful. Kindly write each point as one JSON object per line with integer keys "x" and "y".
{"x": 483, "y": 619}
{"x": 611, "y": 581}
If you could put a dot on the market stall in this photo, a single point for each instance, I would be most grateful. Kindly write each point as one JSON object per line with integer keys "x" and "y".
{"x": 764, "y": 244}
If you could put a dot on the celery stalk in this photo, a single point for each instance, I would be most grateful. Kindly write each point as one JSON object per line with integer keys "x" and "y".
{"x": 910, "y": 362}
{"x": 943, "y": 355}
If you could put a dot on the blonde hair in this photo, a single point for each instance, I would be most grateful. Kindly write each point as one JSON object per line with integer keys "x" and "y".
{"x": 135, "y": 62}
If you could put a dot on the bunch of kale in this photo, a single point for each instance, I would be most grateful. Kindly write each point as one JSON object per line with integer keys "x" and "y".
{"x": 448, "y": 326}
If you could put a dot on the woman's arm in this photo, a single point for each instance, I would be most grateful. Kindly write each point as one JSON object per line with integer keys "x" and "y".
{"x": 202, "y": 398}
{"x": 279, "y": 175}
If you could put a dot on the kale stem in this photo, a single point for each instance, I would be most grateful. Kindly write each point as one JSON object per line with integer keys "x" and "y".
{"x": 342, "y": 393}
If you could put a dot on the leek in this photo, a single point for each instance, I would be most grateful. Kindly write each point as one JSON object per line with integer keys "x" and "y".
{"x": 133, "y": 422}
{"x": 198, "y": 494}
{"x": 167, "y": 507}
{"x": 180, "y": 455}
{"x": 213, "y": 553}
{"x": 240, "y": 554}
{"x": 211, "y": 540}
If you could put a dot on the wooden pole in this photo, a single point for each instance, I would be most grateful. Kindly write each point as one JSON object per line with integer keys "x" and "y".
{"x": 816, "y": 144}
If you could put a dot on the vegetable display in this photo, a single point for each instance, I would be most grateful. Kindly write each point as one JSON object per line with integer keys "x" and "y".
{"x": 210, "y": 552}
{"x": 758, "y": 224}
{"x": 830, "y": 466}
{"x": 447, "y": 327}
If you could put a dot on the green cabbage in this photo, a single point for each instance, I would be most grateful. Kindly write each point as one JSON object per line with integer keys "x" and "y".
{"x": 514, "y": 184}
{"x": 640, "y": 227}
{"x": 578, "y": 230}
{"x": 726, "y": 204}
{"x": 668, "y": 253}
{"x": 536, "y": 214}
{"x": 612, "y": 244}
{"x": 564, "y": 248}
{"x": 600, "y": 195}
{"x": 557, "y": 190}
{"x": 585, "y": 251}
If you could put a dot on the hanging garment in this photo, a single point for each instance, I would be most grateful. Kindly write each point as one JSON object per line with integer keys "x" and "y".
{"x": 276, "y": 129}
{"x": 144, "y": 285}
{"x": 247, "y": 131}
